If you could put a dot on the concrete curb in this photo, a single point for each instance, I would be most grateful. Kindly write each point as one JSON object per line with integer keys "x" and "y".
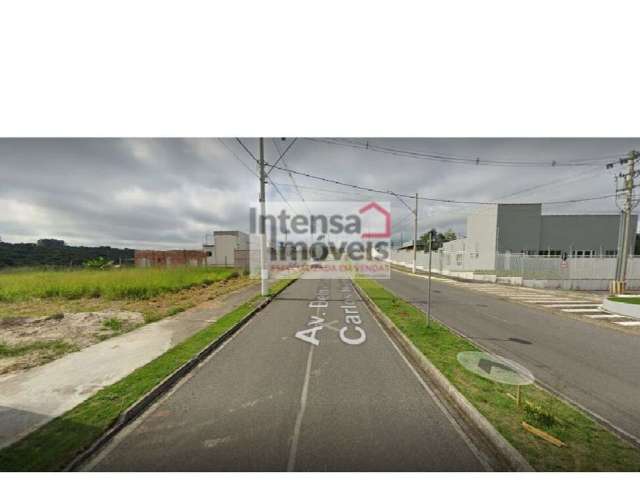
{"x": 622, "y": 434}
{"x": 135, "y": 410}
{"x": 621, "y": 308}
{"x": 512, "y": 456}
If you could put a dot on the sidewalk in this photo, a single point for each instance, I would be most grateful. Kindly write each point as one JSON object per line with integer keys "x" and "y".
{"x": 31, "y": 398}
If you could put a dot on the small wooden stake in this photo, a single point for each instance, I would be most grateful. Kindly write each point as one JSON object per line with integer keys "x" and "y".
{"x": 518, "y": 396}
{"x": 544, "y": 435}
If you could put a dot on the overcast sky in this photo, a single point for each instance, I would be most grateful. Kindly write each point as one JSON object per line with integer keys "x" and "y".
{"x": 167, "y": 193}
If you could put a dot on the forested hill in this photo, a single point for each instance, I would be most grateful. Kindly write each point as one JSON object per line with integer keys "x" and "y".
{"x": 31, "y": 255}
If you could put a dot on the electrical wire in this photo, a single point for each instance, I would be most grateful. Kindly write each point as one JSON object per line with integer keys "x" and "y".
{"x": 246, "y": 149}
{"x": 440, "y": 157}
{"x": 267, "y": 177}
{"x": 281, "y": 157}
{"x": 431, "y": 199}
{"x": 238, "y": 158}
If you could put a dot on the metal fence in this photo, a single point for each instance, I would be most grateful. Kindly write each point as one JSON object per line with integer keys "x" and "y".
{"x": 536, "y": 267}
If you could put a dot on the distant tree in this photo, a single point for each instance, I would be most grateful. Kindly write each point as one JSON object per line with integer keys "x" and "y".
{"x": 50, "y": 243}
{"x": 437, "y": 239}
{"x": 32, "y": 255}
{"x": 450, "y": 235}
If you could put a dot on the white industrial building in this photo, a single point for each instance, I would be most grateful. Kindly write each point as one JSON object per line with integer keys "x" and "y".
{"x": 521, "y": 228}
{"x": 227, "y": 248}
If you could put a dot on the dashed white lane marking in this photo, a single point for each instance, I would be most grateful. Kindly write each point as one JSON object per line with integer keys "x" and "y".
{"x": 630, "y": 323}
{"x": 531, "y": 296}
{"x": 581, "y": 310}
{"x": 555, "y": 300}
{"x": 568, "y": 300}
{"x": 571, "y": 305}
{"x": 606, "y": 315}
{"x": 291, "y": 464}
{"x": 531, "y": 299}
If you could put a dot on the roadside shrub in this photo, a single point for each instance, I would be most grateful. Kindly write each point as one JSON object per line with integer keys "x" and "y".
{"x": 539, "y": 415}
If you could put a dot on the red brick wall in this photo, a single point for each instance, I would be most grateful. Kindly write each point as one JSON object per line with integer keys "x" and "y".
{"x": 169, "y": 258}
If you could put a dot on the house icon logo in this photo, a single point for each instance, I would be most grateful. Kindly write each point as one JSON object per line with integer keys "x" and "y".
{"x": 386, "y": 217}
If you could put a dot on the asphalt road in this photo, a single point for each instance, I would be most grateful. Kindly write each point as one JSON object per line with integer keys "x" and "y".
{"x": 270, "y": 401}
{"x": 597, "y": 367}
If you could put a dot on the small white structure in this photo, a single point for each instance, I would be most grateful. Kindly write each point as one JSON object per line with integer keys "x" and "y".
{"x": 224, "y": 248}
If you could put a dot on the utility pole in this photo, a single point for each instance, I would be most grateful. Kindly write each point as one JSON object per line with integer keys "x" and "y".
{"x": 264, "y": 275}
{"x": 429, "y": 291}
{"x": 415, "y": 234}
{"x": 628, "y": 207}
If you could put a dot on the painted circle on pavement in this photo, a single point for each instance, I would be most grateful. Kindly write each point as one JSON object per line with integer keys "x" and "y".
{"x": 496, "y": 368}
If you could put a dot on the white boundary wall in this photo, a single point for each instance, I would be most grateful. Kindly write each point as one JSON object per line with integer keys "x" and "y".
{"x": 578, "y": 273}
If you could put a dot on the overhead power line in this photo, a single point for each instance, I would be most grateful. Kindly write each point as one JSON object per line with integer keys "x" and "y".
{"x": 275, "y": 186}
{"x": 592, "y": 172}
{"x": 281, "y": 157}
{"x": 267, "y": 177}
{"x": 461, "y": 160}
{"x": 247, "y": 150}
{"x": 238, "y": 158}
{"x": 432, "y": 199}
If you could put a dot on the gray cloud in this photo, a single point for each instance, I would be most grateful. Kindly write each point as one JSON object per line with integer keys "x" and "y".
{"x": 164, "y": 193}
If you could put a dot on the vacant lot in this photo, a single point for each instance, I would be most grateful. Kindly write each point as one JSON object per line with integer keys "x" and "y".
{"x": 114, "y": 284}
{"x": 46, "y": 314}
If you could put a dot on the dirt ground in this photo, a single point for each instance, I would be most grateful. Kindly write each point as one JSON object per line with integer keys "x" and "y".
{"x": 38, "y": 331}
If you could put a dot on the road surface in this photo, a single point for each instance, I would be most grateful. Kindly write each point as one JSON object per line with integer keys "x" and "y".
{"x": 595, "y": 366}
{"x": 271, "y": 401}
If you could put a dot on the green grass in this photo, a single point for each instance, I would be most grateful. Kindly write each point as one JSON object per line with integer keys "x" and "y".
{"x": 55, "y": 444}
{"x": 590, "y": 447}
{"x": 51, "y": 347}
{"x": 113, "y": 284}
{"x": 632, "y": 300}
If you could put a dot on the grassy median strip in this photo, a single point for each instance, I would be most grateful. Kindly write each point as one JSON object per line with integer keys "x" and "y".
{"x": 55, "y": 444}
{"x": 631, "y": 300}
{"x": 589, "y": 447}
